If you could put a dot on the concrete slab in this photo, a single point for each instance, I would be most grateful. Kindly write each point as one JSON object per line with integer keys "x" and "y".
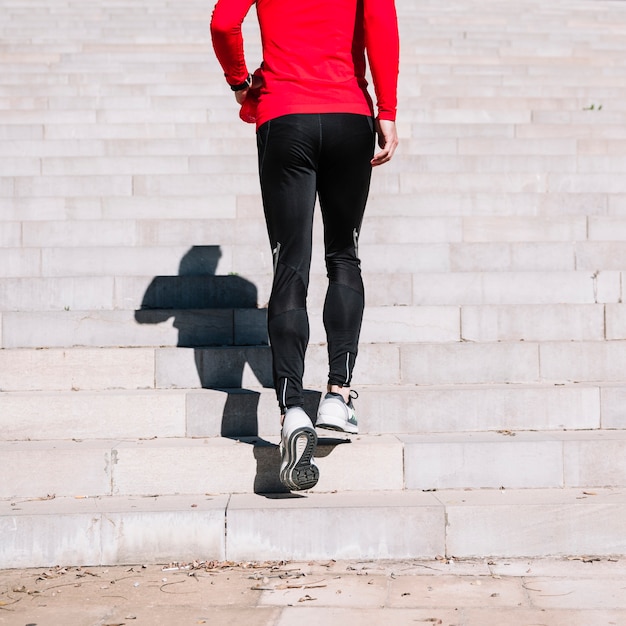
{"x": 270, "y": 528}
{"x": 279, "y": 593}
{"x": 452, "y": 591}
{"x": 557, "y": 522}
{"x": 29, "y": 416}
{"x": 43, "y": 532}
{"x": 241, "y": 412}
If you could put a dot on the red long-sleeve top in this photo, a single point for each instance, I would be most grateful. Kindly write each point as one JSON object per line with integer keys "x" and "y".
{"x": 314, "y": 54}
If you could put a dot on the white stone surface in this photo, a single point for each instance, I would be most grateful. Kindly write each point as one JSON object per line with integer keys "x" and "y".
{"x": 45, "y": 469}
{"x": 183, "y": 466}
{"x": 396, "y": 324}
{"x": 511, "y": 228}
{"x": 57, "y": 294}
{"x": 92, "y": 415}
{"x": 557, "y": 322}
{"x": 168, "y": 529}
{"x": 92, "y": 531}
{"x": 60, "y": 329}
{"x": 45, "y": 540}
{"x": 553, "y": 522}
{"x": 613, "y": 406}
{"x": 596, "y": 460}
{"x": 469, "y": 363}
{"x": 393, "y": 409}
{"x": 615, "y": 321}
{"x": 19, "y": 262}
{"x": 342, "y": 468}
{"x": 497, "y": 288}
{"x": 583, "y": 361}
{"x": 490, "y": 460}
{"x": 265, "y": 528}
{"x": 76, "y": 369}
{"x": 512, "y": 257}
{"x": 430, "y": 409}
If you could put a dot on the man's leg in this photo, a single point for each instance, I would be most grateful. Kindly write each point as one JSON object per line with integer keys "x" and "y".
{"x": 288, "y": 148}
{"x": 343, "y": 186}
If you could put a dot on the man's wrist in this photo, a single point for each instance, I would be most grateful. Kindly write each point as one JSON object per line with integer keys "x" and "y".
{"x": 241, "y": 86}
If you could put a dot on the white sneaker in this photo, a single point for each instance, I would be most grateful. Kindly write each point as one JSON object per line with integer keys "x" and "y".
{"x": 334, "y": 413}
{"x": 297, "y": 445}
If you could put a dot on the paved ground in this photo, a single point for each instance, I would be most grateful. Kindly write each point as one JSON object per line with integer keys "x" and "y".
{"x": 581, "y": 592}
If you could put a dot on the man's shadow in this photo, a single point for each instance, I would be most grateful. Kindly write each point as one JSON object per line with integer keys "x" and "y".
{"x": 218, "y": 316}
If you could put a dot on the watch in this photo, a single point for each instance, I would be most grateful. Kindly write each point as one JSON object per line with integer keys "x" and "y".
{"x": 241, "y": 86}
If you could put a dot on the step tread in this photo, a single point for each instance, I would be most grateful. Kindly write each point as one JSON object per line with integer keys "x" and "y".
{"x": 247, "y": 325}
{"x": 411, "y": 462}
{"x": 253, "y": 411}
{"x": 460, "y": 524}
{"x": 424, "y": 363}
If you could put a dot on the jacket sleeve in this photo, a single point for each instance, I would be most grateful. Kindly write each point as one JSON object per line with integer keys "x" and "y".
{"x": 382, "y": 44}
{"x": 227, "y": 39}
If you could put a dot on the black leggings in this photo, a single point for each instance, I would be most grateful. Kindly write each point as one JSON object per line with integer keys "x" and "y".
{"x": 301, "y": 156}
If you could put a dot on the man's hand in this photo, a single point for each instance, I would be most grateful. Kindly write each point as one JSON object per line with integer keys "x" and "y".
{"x": 257, "y": 82}
{"x": 387, "y": 140}
{"x": 240, "y": 96}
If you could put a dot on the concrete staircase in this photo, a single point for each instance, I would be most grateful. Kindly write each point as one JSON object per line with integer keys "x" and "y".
{"x": 136, "y": 419}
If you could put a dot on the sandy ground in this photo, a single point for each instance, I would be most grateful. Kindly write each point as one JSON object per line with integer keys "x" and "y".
{"x": 559, "y": 592}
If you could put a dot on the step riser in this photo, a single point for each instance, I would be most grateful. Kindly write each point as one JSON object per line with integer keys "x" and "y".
{"x": 379, "y": 364}
{"x": 404, "y": 289}
{"x": 93, "y": 534}
{"x": 239, "y": 413}
{"x": 228, "y": 204}
{"x": 393, "y": 463}
{"x": 446, "y": 258}
{"x": 246, "y": 327}
{"x": 185, "y": 328}
{"x": 29, "y": 184}
{"x": 496, "y": 161}
{"x": 377, "y": 230}
{"x": 454, "y": 524}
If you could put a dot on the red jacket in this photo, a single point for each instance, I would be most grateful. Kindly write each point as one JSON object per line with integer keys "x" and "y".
{"x": 314, "y": 54}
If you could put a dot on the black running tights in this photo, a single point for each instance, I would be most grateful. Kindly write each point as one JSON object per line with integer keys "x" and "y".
{"x": 302, "y": 156}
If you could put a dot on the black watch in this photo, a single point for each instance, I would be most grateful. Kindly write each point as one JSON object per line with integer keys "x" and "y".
{"x": 241, "y": 86}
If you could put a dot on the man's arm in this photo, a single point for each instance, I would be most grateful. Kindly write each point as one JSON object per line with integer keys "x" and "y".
{"x": 382, "y": 43}
{"x": 226, "y": 21}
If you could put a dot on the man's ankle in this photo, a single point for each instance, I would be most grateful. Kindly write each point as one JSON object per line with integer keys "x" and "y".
{"x": 344, "y": 392}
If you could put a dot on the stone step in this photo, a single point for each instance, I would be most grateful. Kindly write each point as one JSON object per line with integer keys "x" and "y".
{"x": 97, "y": 293}
{"x": 228, "y": 205}
{"x": 475, "y": 155}
{"x": 452, "y": 363}
{"x": 189, "y": 328}
{"x": 482, "y": 257}
{"x": 596, "y": 106}
{"x": 454, "y": 524}
{"x": 197, "y": 328}
{"x": 436, "y": 148}
{"x": 403, "y": 289}
{"x": 377, "y": 230}
{"x": 144, "y": 87}
{"x": 484, "y": 157}
{"x": 253, "y": 411}
{"x": 528, "y": 460}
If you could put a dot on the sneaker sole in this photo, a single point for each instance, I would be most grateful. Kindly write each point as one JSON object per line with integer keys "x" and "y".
{"x": 297, "y": 472}
{"x": 337, "y": 424}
